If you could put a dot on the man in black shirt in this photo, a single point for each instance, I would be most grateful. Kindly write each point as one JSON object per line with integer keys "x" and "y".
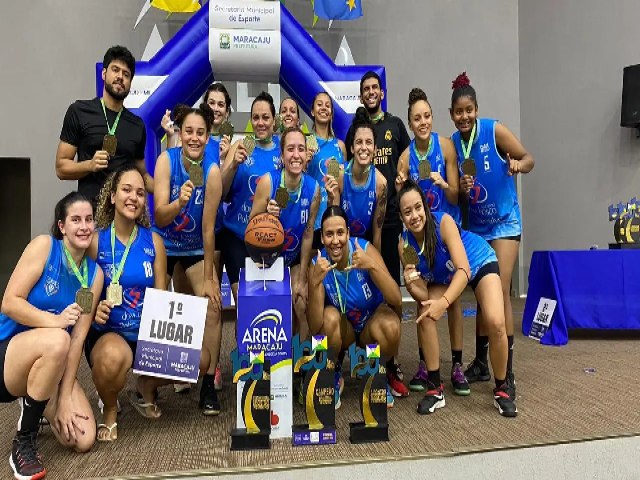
{"x": 102, "y": 132}
{"x": 391, "y": 140}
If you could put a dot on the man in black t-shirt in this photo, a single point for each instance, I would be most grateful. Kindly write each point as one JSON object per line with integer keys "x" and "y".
{"x": 391, "y": 140}
{"x": 102, "y": 132}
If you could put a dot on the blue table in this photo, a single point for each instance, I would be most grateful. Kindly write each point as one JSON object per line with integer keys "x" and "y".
{"x": 597, "y": 289}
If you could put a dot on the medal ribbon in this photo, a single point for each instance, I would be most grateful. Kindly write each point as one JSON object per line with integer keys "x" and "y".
{"x": 466, "y": 150}
{"x": 343, "y": 305}
{"x": 193, "y": 162}
{"x": 82, "y": 278}
{"x": 111, "y": 130}
{"x": 422, "y": 158}
{"x": 298, "y": 190}
{"x": 406, "y": 242}
{"x": 117, "y": 271}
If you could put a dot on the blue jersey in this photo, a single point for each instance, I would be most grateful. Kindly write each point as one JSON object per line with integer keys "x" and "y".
{"x": 244, "y": 185}
{"x": 436, "y": 198}
{"x": 317, "y": 168}
{"x": 54, "y": 291}
{"x": 183, "y": 236}
{"x": 295, "y": 217}
{"x": 212, "y": 157}
{"x": 479, "y": 253}
{"x": 137, "y": 275}
{"x": 361, "y": 294}
{"x": 493, "y": 203}
{"x": 359, "y": 203}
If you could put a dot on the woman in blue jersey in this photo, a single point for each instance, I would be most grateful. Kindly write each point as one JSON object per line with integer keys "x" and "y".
{"x": 352, "y": 296}
{"x": 132, "y": 258}
{"x": 491, "y": 155}
{"x": 431, "y": 162}
{"x": 186, "y": 204}
{"x": 240, "y": 175}
{"x": 360, "y": 188}
{"x": 289, "y": 113}
{"x": 297, "y": 215}
{"x": 329, "y": 147}
{"x": 47, "y": 308}
{"x": 447, "y": 260}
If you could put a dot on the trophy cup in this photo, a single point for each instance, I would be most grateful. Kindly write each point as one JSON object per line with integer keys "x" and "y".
{"x": 318, "y": 391}
{"x": 253, "y": 373}
{"x": 368, "y": 365}
{"x": 626, "y": 226}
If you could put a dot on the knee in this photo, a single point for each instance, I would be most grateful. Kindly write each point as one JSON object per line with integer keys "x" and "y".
{"x": 85, "y": 442}
{"x": 495, "y": 325}
{"x": 391, "y": 329}
{"x": 111, "y": 361}
{"x": 331, "y": 325}
{"x": 55, "y": 345}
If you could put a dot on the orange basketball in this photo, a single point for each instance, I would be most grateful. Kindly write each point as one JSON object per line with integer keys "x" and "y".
{"x": 264, "y": 238}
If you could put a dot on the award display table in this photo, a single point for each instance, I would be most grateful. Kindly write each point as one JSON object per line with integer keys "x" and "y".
{"x": 594, "y": 289}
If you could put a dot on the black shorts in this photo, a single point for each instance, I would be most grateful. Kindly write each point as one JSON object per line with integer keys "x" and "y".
{"x": 5, "y": 396}
{"x": 512, "y": 237}
{"x": 491, "y": 267}
{"x": 234, "y": 253}
{"x": 317, "y": 240}
{"x": 94, "y": 335}
{"x": 187, "y": 261}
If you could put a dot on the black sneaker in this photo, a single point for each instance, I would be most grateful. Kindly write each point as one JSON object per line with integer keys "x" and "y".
{"x": 434, "y": 398}
{"x": 25, "y": 460}
{"x": 477, "y": 371}
{"x": 459, "y": 381}
{"x": 504, "y": 402}
{"x": 209, "y": 403}
{"x": 511, "y": 384}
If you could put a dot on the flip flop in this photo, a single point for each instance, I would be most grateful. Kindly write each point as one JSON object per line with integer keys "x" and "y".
{"x": 113, "y": 432}
{"x": 146, "y": 409}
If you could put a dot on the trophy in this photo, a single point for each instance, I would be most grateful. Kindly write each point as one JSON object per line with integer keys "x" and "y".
{"x": 318, "y": 391}
{"x": 626, "y": 226}
{"x": 368, "y": 365}
{"x": 255, "y": 402}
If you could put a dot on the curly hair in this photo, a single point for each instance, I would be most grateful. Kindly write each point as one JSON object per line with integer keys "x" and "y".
{"x": 105, "y": 210}
{"x": 461, "y": 87}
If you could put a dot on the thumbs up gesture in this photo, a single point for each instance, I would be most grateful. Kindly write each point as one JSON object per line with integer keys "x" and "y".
{"x": 361, "y": 259}
{"x": 319, "y": 270}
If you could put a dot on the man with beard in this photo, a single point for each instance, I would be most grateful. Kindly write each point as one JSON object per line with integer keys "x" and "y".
{"x": 103, "y": 134}
{"x": 391, "y": 139}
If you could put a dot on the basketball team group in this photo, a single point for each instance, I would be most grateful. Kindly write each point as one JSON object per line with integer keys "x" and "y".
{"x": 353, "y": 211}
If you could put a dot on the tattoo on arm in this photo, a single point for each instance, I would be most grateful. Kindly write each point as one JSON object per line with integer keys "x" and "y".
{"x": 382, "y": 208}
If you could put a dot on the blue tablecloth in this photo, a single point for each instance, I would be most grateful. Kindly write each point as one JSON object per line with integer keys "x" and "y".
{"x": 597, "y": 289}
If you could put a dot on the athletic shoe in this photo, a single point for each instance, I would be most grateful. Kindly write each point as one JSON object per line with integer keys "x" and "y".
{"x": 419, "y": 381}
{"x": 339, "y": 386}
{"x": 209, "y": 403}
{"x": 101, "y": 405}
{"x": 459, "y": 381}
{"x": 217, "y": 380}
{"x": 477, "y": 371}
{"x": 390, "y": 399}
{"x": 398, "y": 389}
{"x": 182, "y": 387}
{"x": 511, "y": 384}
{"x": 504, "y": 402}
{"x": 434, "y": 398}
{"x": 25, "y": 460}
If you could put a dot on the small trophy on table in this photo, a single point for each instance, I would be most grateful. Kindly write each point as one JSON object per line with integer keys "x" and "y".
{"x": 626, "y": 226}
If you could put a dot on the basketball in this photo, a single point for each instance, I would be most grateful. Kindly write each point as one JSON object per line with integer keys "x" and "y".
{"x": 264, "y": 239}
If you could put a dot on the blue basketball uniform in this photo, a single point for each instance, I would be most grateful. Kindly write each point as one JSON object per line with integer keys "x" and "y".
{"x": 359, "y": 203}
{"x": 295, "y": 217}
{"x": 212, "y": 157}
{"x": 436, "y": 198}
{"x": 479, "y": 253}
{"x": 245, "y": 182}
{"x": 137, "y": 275}
{"x": 317, "y": 168}
{"x": 361, "y": 294}
{"x": 183, "y": 236}
{"x": 493, "y": 202}
{"x": 54, "y": 291}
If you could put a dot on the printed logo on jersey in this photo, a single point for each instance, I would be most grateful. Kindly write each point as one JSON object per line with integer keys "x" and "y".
{"x": 478, "y": 194}
{"x": 356, "y": 227}
{"x": 252, "y": 183}
{"x": 51, "y": 286}
{"x": 184, "y": 223}
{"x": 387, "y": 135}
{"x": 355, "y": 317}
{"x": 433, "y": 200}
{"x": 291, "y": 241}
{"x": 149, "y": 251}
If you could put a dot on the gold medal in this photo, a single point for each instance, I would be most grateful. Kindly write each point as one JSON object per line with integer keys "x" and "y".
{"x": 424, "y": 168}
{"x": 196, "y": 174}
{"x": 410, "y": 256}
{"x": 333, "y": 168}
{"x": 249, "y": 144}
{"x": 114, "y": 294}
{"x": 84, "y": 298}
{"x": 226, "y": 128}
{"x": 312, "y": 143}
{"x": 109, "y": 144}
{"x": 282, "y": 197}
{"x": 278, "y": 124}
{"x": 469, "y": 167}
